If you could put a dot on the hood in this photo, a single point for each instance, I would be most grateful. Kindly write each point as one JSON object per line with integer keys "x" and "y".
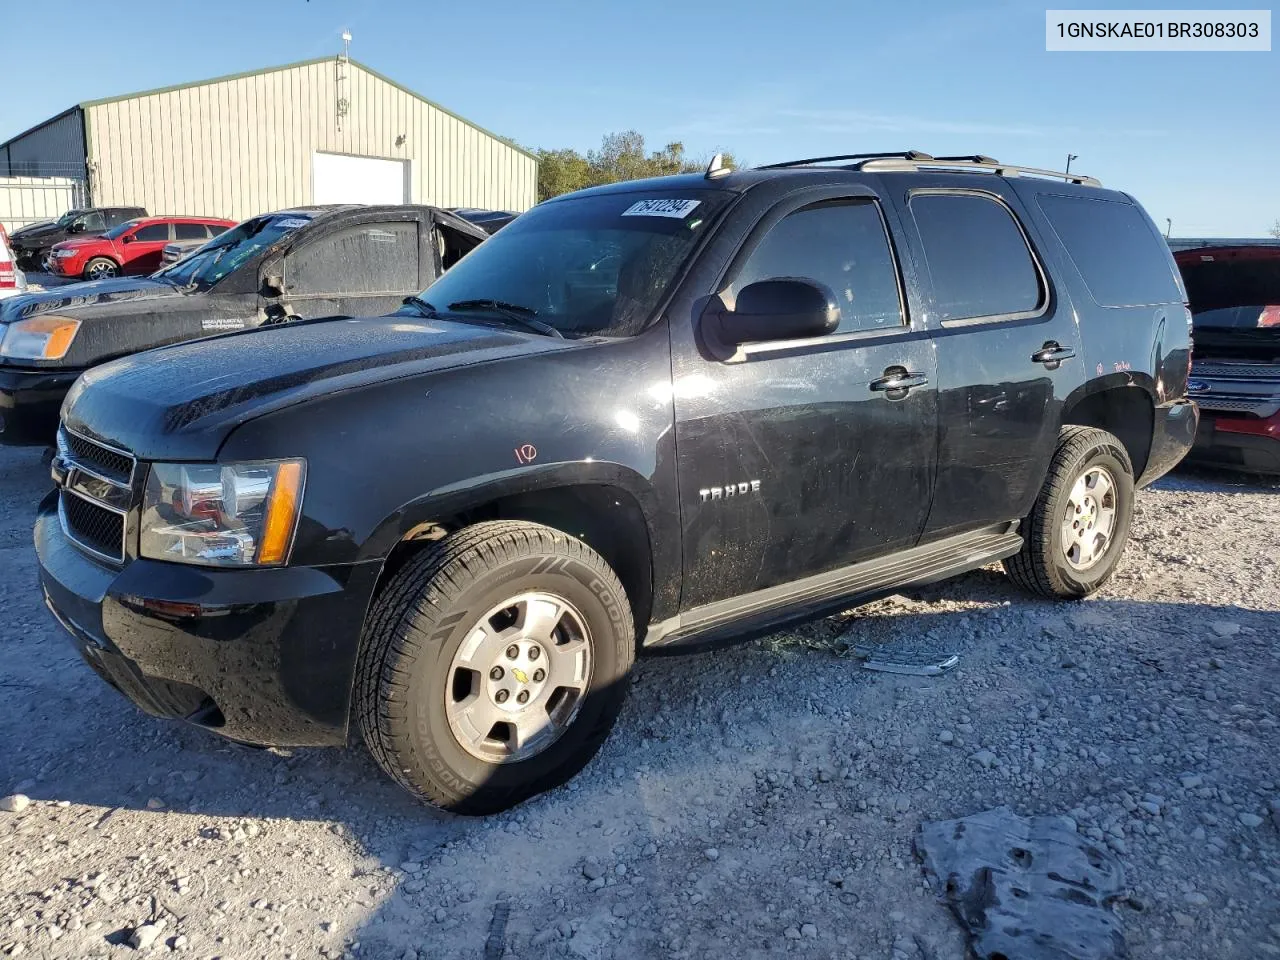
{"x": 77, "y": 296}
{"x": 38, "y": 231}
{"x": 181, "y": 402}
{"x": 84, "y": 241}
{"x": 30, "y": 228}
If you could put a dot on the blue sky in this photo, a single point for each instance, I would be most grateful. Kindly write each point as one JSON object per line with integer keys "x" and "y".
{"x": 1194, "y": 136}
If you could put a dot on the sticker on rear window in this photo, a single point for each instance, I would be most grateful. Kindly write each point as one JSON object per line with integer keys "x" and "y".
{"x": 678, "y": 209}
{"x": 291, "y": 223}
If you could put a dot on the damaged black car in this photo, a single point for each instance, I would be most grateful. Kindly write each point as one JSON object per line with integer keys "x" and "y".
{"x": 276, "y": 268}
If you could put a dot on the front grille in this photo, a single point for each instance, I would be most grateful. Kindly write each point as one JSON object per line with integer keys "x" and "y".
{"x": 93, "y": 527}
{"x": 101, "y": 459}
{"x": 1236, "y": 371}
{"x": 1261, "y": 407}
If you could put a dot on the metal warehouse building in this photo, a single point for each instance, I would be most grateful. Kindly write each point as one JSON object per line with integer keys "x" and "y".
{"x": 322, "y": 131}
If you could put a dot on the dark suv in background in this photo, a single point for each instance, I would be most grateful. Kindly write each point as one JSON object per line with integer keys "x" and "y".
{"x": 1234, "y": 290}
{"x": 31, "y": 245}
{"x": 653, "y": 414}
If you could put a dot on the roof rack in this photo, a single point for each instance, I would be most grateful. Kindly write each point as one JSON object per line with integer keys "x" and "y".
{"x": 904, "y": 164}
{"x": 900, "y": 154}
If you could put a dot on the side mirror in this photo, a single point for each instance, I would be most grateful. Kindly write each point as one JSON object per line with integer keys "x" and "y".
{"x": 76, "y": 227}
{"x": 273, "y": 285}
{"x": 786, "y": 308}
{"x": 128, "y": 238}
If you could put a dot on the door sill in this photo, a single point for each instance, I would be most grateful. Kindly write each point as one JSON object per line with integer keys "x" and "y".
{"x": 762, "y": 611}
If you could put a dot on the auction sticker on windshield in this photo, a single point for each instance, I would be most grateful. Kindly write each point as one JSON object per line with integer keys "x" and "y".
{"x": 292, "y": 223}
{"x": 678, "y": 209}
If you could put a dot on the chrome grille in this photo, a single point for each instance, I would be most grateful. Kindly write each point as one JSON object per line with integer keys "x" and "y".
{"x": 1236, "y": 371}
{"x": 1260, "y": 407}
{"x": 106, "y": 462}
{"x": 93, "y": 527}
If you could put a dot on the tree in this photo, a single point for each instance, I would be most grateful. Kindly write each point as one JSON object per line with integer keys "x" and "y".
{"x": 621, "y": 156}
{"x": 1275, "y": 229}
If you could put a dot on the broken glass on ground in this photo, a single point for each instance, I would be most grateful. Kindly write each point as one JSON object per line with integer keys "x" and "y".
{"x": 1026, "y": 888}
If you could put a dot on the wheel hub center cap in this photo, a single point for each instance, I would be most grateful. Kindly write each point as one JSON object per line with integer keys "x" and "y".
{"x": 518, "y": 675}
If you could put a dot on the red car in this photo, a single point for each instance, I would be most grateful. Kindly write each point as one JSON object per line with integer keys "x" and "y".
{"x": 1234, "y": 290}
{"x": 134, "y": 247}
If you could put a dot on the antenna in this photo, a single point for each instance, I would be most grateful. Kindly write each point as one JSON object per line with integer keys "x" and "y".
{"x": 346, "y": 44}
{"x": 342, "y": 105}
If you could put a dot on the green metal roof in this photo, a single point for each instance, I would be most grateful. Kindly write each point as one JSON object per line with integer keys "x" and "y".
{"x": 255, "y": 73}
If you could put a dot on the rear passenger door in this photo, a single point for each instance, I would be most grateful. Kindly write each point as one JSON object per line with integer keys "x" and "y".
{"x": 793, "y": 459}
{"x": 1008, "y": 349}
{"x": 364, "y": 269}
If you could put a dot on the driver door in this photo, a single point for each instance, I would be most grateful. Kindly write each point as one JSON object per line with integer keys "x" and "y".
{"x": 143, "y": 248}
{"x": 364, "y": 269}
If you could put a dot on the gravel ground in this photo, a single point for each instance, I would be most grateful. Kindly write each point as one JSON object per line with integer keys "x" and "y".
{"x": 752, "y": 802}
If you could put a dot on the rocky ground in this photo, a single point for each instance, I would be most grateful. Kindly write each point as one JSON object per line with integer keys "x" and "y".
{"x": 753, "y": 802}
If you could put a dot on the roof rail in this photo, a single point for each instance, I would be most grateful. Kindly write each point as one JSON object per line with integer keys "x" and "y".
{"x": 899, "y": 154}
{"x": 903, "y": 164}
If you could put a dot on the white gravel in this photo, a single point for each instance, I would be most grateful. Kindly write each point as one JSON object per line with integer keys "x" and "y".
{"x": 752, "y": 802}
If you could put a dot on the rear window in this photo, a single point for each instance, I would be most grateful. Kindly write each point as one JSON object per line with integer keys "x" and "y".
{"x": 977, "y": 257}
{"x": 1121, "y": 258}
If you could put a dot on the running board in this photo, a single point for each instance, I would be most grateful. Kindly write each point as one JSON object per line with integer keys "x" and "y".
{"x": 754, "y": 614}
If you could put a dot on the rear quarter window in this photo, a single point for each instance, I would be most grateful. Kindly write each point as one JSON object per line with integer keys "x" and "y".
{"x": 1121, "y": 258}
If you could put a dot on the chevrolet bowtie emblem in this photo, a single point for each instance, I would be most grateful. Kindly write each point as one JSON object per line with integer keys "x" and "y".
{"x": 520, "y": 674}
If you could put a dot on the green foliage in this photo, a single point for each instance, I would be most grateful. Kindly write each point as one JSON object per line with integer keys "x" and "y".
{"x": 621, "y": 156}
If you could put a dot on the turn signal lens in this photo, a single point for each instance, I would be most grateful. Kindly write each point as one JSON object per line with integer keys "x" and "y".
{"x": 1270, "y": 316}
{"x": 282, "y": 513}
{"x": 39, "y": 338}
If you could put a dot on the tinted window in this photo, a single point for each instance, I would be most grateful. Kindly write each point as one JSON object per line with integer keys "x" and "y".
{"x": 152, "y": 233}
{"x": 598, "y": 264}
{"x": 842, "y": 244}
{"x": 1120, "y": 256}
{"x": 93, "y": 223}
{"x": 189, "y": 231}
{"x": 976, "y": 256}
{"x": 216, "y": 229}
{"x": 120, "y": 230}
{"x": 370, "y": 258}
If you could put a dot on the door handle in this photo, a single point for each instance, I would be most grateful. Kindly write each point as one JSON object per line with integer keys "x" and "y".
{"x": 896, "y": 384}
{"x": 1052, "y": 354}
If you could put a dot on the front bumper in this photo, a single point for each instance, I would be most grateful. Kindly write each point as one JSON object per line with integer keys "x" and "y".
{"x": 1174, "y": 432}
{"x": 260, "y": 656}
{"x": 1248, "y": 444}
{"x": 65, "y": 266}
{"x": 30, "y": 401}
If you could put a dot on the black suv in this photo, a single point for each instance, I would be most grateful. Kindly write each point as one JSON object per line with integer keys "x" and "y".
{"x": 656, "y": 413}
{"x": 284, "y": 266}
{"x": 32, "y": 244}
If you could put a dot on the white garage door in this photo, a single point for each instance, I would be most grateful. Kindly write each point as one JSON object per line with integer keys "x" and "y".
{"x": 338, "y": 178}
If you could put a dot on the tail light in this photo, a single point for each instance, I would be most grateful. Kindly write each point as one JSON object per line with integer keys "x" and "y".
{"x": 8, "y": 275}
{"x": 1270, "y": 316}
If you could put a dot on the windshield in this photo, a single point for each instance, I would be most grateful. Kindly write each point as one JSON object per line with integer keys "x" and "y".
{"x": 230, "y": 250}
{"x": 123, "y": 228}
{"x": 591, "y": 266}
{"x": 67, "y": 217}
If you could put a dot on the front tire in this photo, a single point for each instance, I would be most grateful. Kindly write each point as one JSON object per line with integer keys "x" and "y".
{"x": 493, "y": 666}
{"x": 101, "y": 268}
{"x": 1078, "y": 528}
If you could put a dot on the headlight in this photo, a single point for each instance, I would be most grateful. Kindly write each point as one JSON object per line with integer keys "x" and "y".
{"x": 39, "y": 338}
{"x": 226, "y": 515}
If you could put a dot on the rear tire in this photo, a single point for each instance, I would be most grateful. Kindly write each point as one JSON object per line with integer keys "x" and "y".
{"x": 1078, "y": 528}
{"x": 100, "y": 268}
{"x": 448, "y": 649}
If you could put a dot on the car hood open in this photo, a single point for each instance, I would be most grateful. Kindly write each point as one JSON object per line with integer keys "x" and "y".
{"x": 181, "y": 402}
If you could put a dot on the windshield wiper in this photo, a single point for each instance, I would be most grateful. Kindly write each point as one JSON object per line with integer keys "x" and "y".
{"x": 524, "y": 316}
{"x": 424, "y": 308}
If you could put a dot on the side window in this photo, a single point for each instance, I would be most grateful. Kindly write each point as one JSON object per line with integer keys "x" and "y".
{"x": 843, "y": 244}
{"x": 93, "y": 222}
{"x": 1121, "y": 258}
{"x": 215, "y": 229}
{"x": 977, "y": 257}
{"x": 189, "y": 231}
{"x": 152, "y": 233}
{"x": 369, "y": 258}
